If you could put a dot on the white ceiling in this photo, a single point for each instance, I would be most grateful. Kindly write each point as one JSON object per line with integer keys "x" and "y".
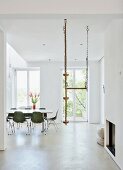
{"x": 61, "y": 6}
{"x": 27, "y": 36}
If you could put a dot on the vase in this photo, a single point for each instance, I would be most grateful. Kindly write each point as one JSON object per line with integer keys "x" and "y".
{"x": 34, "y": 106}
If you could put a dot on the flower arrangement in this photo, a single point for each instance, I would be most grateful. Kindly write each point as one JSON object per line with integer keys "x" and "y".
{"x": 34, "y": 97}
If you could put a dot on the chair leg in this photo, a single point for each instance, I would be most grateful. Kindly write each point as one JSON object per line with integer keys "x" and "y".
{"x": 44, "y": 128}
{"x": 13, "y": 128}
{"x": 46, "y": 124}
{"x": 54, "y": 123}
{"x": 29, "y": 128}
{"x": 10, "y": 128}
{"x": 32, "y": 125}
{"x": 19, "y": 125}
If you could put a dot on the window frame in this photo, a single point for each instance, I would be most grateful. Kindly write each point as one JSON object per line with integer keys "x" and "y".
{"x": 74, "y": 118}
{"x": 14, "y": 88}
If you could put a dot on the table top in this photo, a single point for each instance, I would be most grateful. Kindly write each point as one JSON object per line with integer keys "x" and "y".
{"x": 30, "y": 110}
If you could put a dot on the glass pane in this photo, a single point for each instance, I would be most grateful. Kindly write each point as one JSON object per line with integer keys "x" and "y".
{"x": 80, "y": 77}
{"x": 21, "y": 88}
{"x": 70, "y": 78}
{"x": 80, "y": 96}
{"x": 70, "y": 103}
{"x": 70, "y": 82}
{"x": 76, "y": 108}
{"x": 63, "y": 84}
{"x": 34, "y": 84}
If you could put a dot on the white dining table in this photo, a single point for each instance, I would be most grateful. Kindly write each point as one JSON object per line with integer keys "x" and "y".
{"x": 30, "y": 110}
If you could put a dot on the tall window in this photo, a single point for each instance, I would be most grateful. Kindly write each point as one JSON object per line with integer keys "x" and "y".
{"x": 77, "y": 102}
{"x": 26, "y": 81}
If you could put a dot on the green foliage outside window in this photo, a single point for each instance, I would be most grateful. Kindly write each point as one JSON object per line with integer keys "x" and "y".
{"x": 79, "y": 95}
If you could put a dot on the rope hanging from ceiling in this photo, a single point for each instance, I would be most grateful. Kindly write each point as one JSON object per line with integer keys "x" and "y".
{"x": 86, "y": 81}
{"x": 65, "y": 71}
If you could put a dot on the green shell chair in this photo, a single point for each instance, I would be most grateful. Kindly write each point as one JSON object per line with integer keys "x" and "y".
{"x": 37, "y": 118}
{"x": 19, "y": 118}
{"x": 9, "y": 119}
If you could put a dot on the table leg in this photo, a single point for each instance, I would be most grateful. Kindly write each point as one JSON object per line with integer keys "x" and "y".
{"x": 43, "y": 129}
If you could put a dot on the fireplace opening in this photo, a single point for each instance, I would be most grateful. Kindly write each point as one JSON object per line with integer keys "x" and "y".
{"x": 111, "y": 137}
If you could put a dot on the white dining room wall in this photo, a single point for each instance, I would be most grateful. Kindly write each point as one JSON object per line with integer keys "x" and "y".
{"x": 14, "y": 60}
{"x": 93, "y": 93}
{"x": 10, "y": 59}
{"x": 2, "y": 90}
{"x": 102, "y": 91}
{"x": 114, "y": 84}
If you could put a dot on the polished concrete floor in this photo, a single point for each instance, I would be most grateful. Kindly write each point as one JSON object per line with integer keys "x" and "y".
{"x": 72, "y": 147}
